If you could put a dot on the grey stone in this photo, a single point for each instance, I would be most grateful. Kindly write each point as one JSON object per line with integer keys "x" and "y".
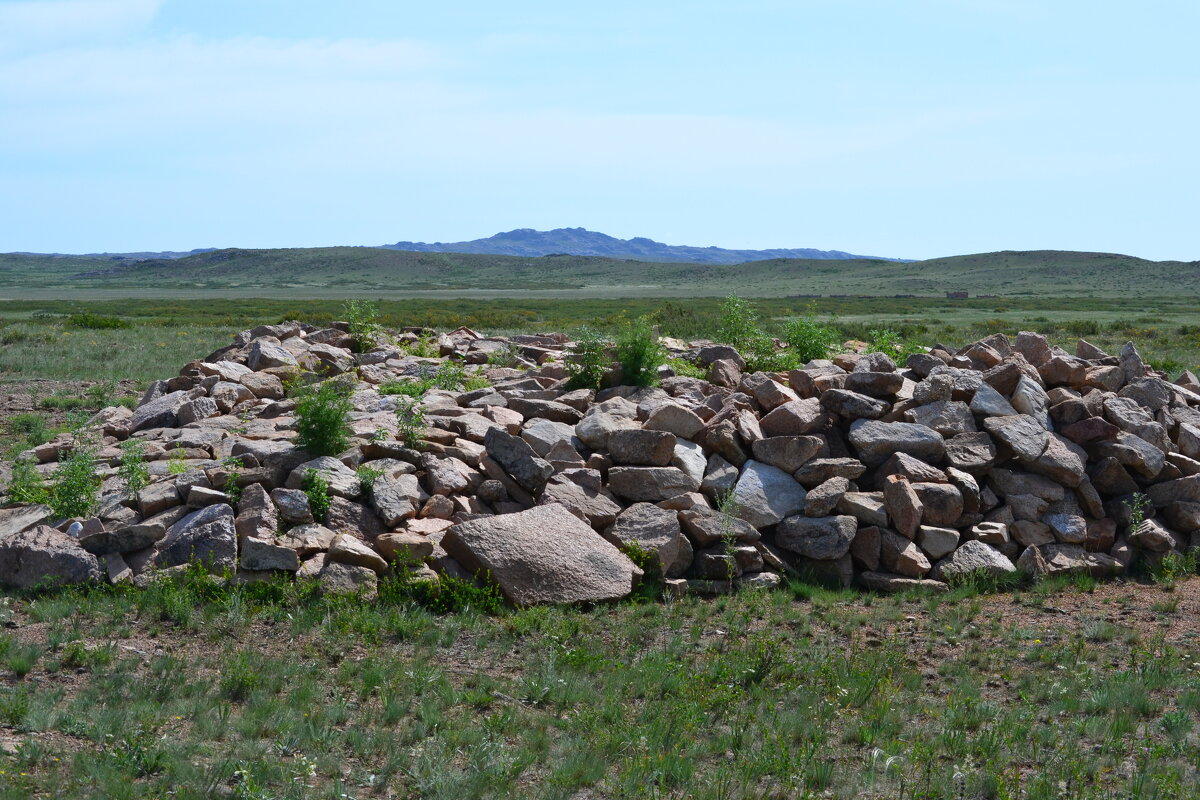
{"x": 43, "y": 556}
{"x": 543, "y": 555}
{"x": 820, "y": 538}
{"x": 764, "y": 495}
{"x": 655, "y": 531}
{"x": 876, "y": 441}
{"x": 972, "y": 556}
{"x": 207, "y": 536}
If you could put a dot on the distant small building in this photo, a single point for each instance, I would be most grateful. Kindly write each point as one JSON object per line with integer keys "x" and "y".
{"x": 956, "y": 295}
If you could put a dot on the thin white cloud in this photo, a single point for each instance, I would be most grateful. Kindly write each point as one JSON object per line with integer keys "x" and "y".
{"x": 30, "y": 24}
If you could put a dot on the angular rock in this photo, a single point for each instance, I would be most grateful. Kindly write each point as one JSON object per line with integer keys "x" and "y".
{"x": 819, "y": 538}
{"x": 636, "y": 447}
{"x": 903, "y": 505}
{"x": 655, "y": 531}
{"x": 972, "y": 556}
{"x": 936, "y": 542}
{"x": 207, "y": 536}
{"x": 823, "y": 499}
{"x": 346, "y": 549}
{"x": 674, "y": 419}
{"x": 876, "y": 441}
{"x": 518, "y": 459}
{"x": 649, "y": 484}
{"x": 260, "y": 554}
{"x": 339, "y": 578}
{"x": 43, "y": 556}
{"x": 342, "y": 480}
{"x": 764, "y": 495}
{"x": 1023, "y": 434}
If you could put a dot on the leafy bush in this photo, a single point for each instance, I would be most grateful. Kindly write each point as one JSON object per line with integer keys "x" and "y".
{"x": 321, "y": 419}
{"x": 809, "y": 340}
{"x": 317, "y": 490}
{"x": 367, "y": 477}
{"x": 363, "y": 319}
{"x": 410, "y": 420}
{"x": 75, "y": 487}
{"x": 97, "y": 322}
{"x": 588, "y": 362}
{"x": 410, "y": 388}
{"x": 891, "y": 343}
{"x": 133, "y": 470}
{"x": 177, "y": 462}
{"x": 686, "y": 369}
{"x": 640, "y": 354}
{"x": 26, "y": 484}
{"x": 739, "y": 323}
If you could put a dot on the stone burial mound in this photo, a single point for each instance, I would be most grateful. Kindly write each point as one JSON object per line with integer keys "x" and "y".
{"x": 1004, "y": 455}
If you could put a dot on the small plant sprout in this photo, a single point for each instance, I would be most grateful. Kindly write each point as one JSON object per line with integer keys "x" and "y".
{"x": 317, "y": 490}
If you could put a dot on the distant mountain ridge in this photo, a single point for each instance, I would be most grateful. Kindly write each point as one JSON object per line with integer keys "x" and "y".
{"x": 582, "y": 242}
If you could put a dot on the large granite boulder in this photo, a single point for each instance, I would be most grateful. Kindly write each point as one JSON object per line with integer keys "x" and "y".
{"x": 543, "y": 555}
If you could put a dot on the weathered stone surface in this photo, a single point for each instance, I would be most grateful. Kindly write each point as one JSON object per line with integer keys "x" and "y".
{"x": 942, "y": 503}
{"x": 261, "y": 554}
{"x": 875, "y": 441}
{"x": 988, "y": 402}
{"x": 543, "y": 555}
{"x": 823, "y": 499}
{"x": 403, "y": 547}
{"x": 937, "y": 542}
{"x": 867, "y": 507}
{"x": 893, "y": 584}
{"x": 1151, "y": 535}
{"x": 346, "y": 549}
{"x": 947, "y": 417}
{"x": 1058, "y": 559}
{"x": 974, "y": 453}
{"x": 41, "y": 555}
{"x": 342, "y": 480}
{"x": 708, "y": 526}
{"x": 852, "y": 405}
{"x": 591, "y": 504}
{"x": 820, "y": 538}
{"x": 518, "y": 459}
{"x": 764, "y": 495}
{"x": 797, "y": 418}
{"x": 292, "y": 505}
{"x": 207, "y": 536}
{"x": 340, "y": 578}
{"x": 596, "y": 426}
{"x": 788, "y": 453}
{"x": 1068, "y": 528}
{"x": 649, "y": 484}
{"x": 972, "y": 556}
{"x": 675, "y": 419}
{"x": 1023, "y": 434}
{"x": 819, "y": 470}
{"x": 265, "y": 353}
{"x": 124, "y": 540}
{"x": 903, "y": 505}
{"x": 307, "y": 539}
{"x": 901, "y": 556}
{"x": 644, "y": 448}
{"x": 158, "y": 413}
{"x": 656, "y": 531}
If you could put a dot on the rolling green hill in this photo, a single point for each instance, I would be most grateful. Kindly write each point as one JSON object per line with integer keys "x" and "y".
{"x": 337, "y": 271}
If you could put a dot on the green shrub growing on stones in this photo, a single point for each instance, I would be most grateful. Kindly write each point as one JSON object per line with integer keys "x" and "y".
{"x": 26, "y": 484}
{"x": 317, "y": 490}
{"x": 133, "y": 470}
{"x": 321, "y": 419}
{"x": 75, "y": 488}
{"x": 363, "y": 318}
{"x": 640, "y": 354}
{"x": 588, "y": 362}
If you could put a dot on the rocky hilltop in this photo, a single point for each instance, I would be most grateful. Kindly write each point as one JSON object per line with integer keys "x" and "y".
{"x": 1003, "y": 455}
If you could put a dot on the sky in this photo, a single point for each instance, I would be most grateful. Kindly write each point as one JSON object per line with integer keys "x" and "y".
{"x": 902, "y": 128}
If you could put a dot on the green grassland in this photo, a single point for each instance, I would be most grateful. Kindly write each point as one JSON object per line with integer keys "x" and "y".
{"x": 265, "y": 691}
{"x": 316, "y": 272}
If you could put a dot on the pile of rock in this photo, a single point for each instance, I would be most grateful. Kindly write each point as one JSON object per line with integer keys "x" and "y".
{"x": 1003, "y": 455}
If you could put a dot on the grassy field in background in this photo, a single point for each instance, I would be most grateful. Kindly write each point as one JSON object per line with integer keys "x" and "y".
{"x": 39, "y": 340}
{"x": 188, "y": 690}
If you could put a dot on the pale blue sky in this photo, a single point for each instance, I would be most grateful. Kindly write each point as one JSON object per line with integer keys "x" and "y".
{"x": 911, "y": 128}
